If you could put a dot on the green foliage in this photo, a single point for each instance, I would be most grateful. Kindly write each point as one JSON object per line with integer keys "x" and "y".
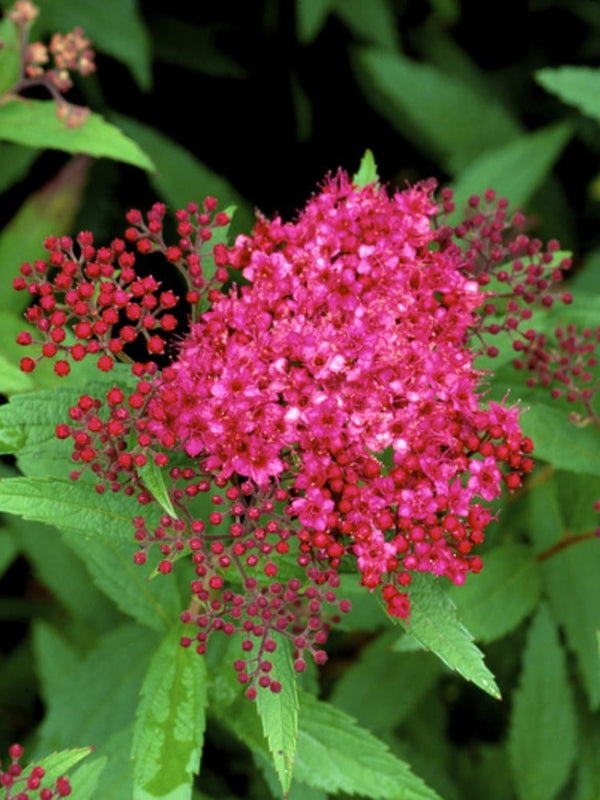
{"x": 542, "y": 736}
{"x": 253, "y": 107}
{"x": 34, "y": 123}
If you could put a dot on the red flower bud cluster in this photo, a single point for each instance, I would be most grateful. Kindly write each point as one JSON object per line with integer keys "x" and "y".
{"x": 20, "y": 785}
{"x": 323, "y": 416}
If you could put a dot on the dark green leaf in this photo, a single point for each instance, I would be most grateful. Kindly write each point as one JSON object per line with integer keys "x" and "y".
{"x": 55, "y": 659}
{"x": 374, "y": 22}
{"x": 180, "y": 178}
{"x": 84, "y": 781}
{"x": 435, "y": 625}
{"x": 15, "y": 162}
{"x": 380, "y": 688}
{"x": 8, "y": 550}
{"x": 279, "y": 715}
{"x": 34, "y": 123}
{"x": 541, "y": 741}
{"x": 335, "y": 754}
{"x": 72, "y": 506}
{"x": 311, "y": 16}
{"x": 451, "y": 120}
{"x": 9, "y": 63}
{"x": 50, "y": 210}
{"x": 495, "y": 602}
{"x": 169, "y": 729}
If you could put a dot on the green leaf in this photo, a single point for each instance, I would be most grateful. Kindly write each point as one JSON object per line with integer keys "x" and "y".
{"x": 367, "y": 170}
{"x": 84, "y": 781}
{"x": 114, "y": 26}
{"x": 152, "y": 603}
{"x": 152, "y": 477}
{"x": 310, "y": 18}
{"x": 71, "y": 506}
{"x": 8, "y": 550}
{"x": 34, "y": 123}
{"x": 541, "y": 741}
{"x": 279, "y": 715}
{"x": 180, "y": 177}
{"x": 50, "y": 210}
{"x": 435, "y": 625}
{"x": 515, "y": 170}
{"x": 12, "y": 379}
{"x": 443, "y": 116}
{"x": 495, "y": 602}
{"x": 10, "y": 61}
{"x": 335, "y": 754}
{"x": 561, "y": 442}
{"x": 57, "y": 765}
{"x": 588, "y": 759}
{"x": 373, "y": 22}
{"x": 15, "y": 163}
{"x": 55, "y": 659}
{"x": 577, "y": 86}
{"x": 380, "y": 688}
{"x": 103, "y": 689}
{"x": 169, "y": 729}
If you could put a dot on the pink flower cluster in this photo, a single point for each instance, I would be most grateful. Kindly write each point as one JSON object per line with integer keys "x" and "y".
{"x": 324, "y": 415}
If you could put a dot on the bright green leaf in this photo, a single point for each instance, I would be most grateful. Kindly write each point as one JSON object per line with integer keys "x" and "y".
{"x": 515, "y": 170}
{"x": 70, "y": 505}
{"x": 577, "y": 86}
{"x": 10, "y": 62}
{"x": 153, "y": 479}
{"x": 335, "y": 754}
{"x": 438, "y": 112}
{"x": 56, "y": 765}
{"x": 34, "y": 123}
{"x": 435, "y": 625}
{"x": 279, "y": 715}
{"x": 169, "y": 729}
{"x": 367, "y": 170}
{"x": 541, "y": 741}
{"x": 495, "y": 602}
{"x": 50, "y": 210}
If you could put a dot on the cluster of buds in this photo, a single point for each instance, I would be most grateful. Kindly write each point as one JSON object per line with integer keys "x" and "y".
{"x": 51, "y": 66}
{"x": 322, "y": 415}
{"x": 19, "y": 785}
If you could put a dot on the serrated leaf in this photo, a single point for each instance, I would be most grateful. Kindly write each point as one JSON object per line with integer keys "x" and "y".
{"x": 152, "y": 603}
{"x": 57, "y": 765}
{"x": 169, "y": 729}
{"x": 34, "y": 123}
{"x": 442, "y": 115}
{"x": 71, "y": 506}
{"x": 435, "y": 625}
{"x": 84, "y": 781}
{"x": 50, "y": 210}
{"x": 578, "y": 86}
{"x": 514, "y": 170}
{"x": 103, "y": 689}
{"x": 180, "y": 177}
{"x": 541, "y": 742}
{"x": 562, "y": 443}
{"x": 495, "y": 602}
{"x": 380, "y": 688}
{"x": 279, "y": 715}
{"x": 335, "y": 754}
{"x": 367, "y": 170}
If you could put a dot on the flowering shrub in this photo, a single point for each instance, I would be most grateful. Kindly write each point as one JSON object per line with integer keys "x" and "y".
{"x": 329, "y": 404}
{"x": 290, "y": 456}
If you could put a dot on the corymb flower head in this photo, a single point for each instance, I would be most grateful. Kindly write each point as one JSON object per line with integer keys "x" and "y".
{"x": 323, "y": 415}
